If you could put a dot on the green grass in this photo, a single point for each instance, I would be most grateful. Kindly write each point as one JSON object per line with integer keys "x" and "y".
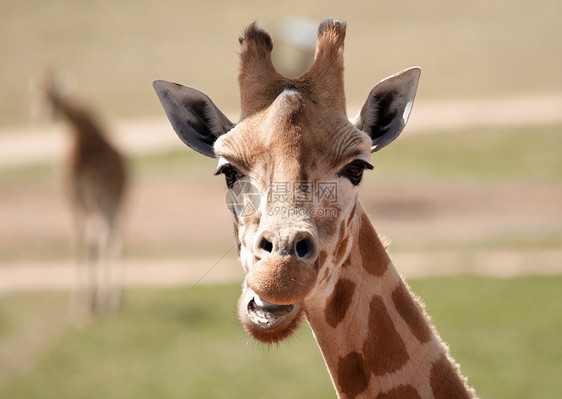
{"x": 505, "y": 334}
{"x": 189, "y": 163}
{"x": 486, "y": 155}
{"x": 29, "y": 326}
{"x": 28, "y": 174}
{"x": 516, "y": 242}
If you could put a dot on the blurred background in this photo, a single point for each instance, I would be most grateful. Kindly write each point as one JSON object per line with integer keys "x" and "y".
{"x": 470, "y": 194}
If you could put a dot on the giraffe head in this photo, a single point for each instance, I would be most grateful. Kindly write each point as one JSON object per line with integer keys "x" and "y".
{"x": 296, "y": 147}
{"x": 47, "y": 89}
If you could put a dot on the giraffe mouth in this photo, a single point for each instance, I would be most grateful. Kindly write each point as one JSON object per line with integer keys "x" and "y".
{"x": 265, "y": 313}
{"x": 265, "y": 321}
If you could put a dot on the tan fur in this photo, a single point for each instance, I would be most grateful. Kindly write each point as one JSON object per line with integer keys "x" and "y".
{"x": 293, "y": 141}
{"x": 393, "y": 344}
{"x": 362, "y": 314}
{"x": 281, "y": 279}
{"x": 261, "y": 84}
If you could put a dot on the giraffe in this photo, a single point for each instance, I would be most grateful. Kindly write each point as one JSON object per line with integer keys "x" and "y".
{"x": 96, "y": 181}
{"x": 309, "y": 250}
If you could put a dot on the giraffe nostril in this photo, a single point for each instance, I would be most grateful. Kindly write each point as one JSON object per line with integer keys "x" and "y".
{"x": 266, "y": 245}
{"x": 303, "y": 247}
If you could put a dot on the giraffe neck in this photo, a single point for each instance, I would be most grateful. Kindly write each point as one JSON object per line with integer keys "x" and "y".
{"x": 86, "y": 131}
{"x": 373, "y": 333}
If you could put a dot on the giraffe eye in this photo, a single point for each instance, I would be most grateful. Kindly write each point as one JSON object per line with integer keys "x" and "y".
{"x": 354, "y": 171}
{"x": 231, "y": 175}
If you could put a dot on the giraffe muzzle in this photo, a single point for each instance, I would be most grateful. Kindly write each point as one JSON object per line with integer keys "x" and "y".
{"x": 285, "y": 268}
{"x": 282, "y": 280}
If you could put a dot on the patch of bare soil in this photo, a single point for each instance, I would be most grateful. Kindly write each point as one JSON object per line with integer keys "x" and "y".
{"x": 185, "y": 228}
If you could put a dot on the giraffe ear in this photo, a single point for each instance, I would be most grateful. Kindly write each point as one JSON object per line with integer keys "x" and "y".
{"x": 388, "y": 107}
{"x": 195, "y": 118}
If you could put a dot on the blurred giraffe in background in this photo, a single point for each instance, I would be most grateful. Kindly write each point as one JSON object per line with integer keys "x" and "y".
{"x": 96, "y": 182}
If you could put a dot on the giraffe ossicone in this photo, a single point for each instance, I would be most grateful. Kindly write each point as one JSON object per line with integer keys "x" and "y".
{"x": 309, "y": 249}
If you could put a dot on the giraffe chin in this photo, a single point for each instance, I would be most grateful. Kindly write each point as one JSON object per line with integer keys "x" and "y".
{"x": 265, "y": 321}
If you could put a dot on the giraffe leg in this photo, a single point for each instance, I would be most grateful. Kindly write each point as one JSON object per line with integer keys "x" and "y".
{"x": 117, "y": 271}
{"x": 104, "y": 264}
{"x": 78, "y": 253}
{"x": 92, "y": 269}
{"x": 82, "y": 302}
{"x": 95, "y": 288}
{"x": 111, "y": 269}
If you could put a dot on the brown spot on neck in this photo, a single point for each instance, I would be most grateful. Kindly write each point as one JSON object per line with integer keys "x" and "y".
{"x": 400, "y": 392}
{"x": 352, "y": 377}
{"x": 326, "y": 227}
{"x": 384, "y": 349}
{"x": 339, "y": 302}
{"x": 374, "y": 258}
{"x": 412, "y": 312}
{"x": 446, "y": 382}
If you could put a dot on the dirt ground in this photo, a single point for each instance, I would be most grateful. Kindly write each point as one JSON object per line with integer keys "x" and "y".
{"x": 177, "y": 230}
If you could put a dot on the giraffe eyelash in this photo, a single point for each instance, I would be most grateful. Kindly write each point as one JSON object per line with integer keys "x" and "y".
{"x": 230, "y": 173}
{"x": 354, "y": 171}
